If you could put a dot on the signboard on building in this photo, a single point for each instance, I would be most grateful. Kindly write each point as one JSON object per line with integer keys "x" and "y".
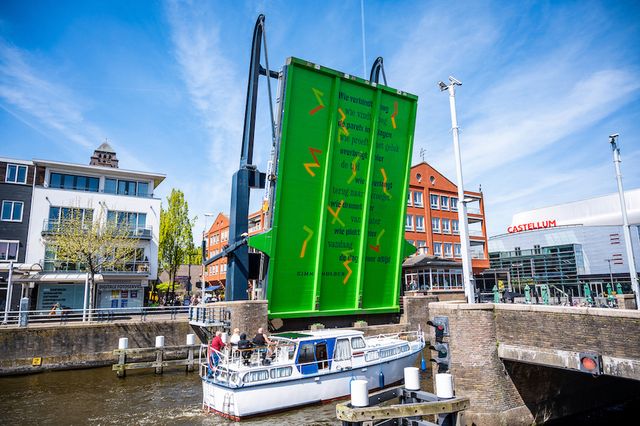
{"x": 337, "y": 238}
{"x": 543, "y": 224}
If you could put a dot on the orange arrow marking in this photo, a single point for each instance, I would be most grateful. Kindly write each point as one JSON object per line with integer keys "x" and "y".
{"x": 318, "y": 94}
{"x": 336, "y": 212}
{"x": 395, "y": 113}
{"x": 315, "y": 164}
{"x": 376, "y": 248}
{"x": 309, "y": 232}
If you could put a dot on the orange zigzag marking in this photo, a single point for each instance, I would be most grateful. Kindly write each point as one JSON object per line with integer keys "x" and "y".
{"x": 384, "y": 183}
{"x": 318, "y": 94}
{"x": 309, "y": 232}
{"x": 315, "y": 164}
{"x": 336, "y": 212}
{"x": 346, "y": 263}
{"x": 395, "y": 113}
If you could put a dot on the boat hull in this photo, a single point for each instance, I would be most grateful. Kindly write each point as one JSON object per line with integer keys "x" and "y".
{"x": 254, "y": 400}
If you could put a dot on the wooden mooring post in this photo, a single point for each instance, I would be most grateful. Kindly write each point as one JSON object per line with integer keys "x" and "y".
{"x": 161, "y": 354}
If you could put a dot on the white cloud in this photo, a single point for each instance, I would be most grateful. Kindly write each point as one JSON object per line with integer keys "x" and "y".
{"x": 213, "y": 85}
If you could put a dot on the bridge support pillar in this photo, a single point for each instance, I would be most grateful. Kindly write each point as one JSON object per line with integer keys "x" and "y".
{"x": 478, "y": 372}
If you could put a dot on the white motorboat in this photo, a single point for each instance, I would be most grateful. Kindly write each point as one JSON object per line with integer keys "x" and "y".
{"x": 304, "y": 368}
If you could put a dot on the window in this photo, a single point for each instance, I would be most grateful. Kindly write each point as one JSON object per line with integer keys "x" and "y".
{"x": 454, "y": 225}
{"x": 408, "y": 225}
{"x": 435, "y": 224}
{"x": 110, "y": 186}
{"x": 437, "y": 249}
{"x": 454, "y": 204}
{"x": 445, "y": 225}
{"x": 409, "y": 199}
{"x": 60, "y": 214}
{"x": 342, "y": 351}
{"x": 536, "y": 249}
{"x": 371, "y": 356}
{"x": 434, "y": 201}
{"x": 16, "y": 174}
{"x": 444, "y": 203}
{"x": 422, "y": 247}
{"x": 358, "y": 343}
{"x": 256, "y": 376}
{"x": 419, "y": 223}
{"x": 417, "y": 198}
{"x": 306, "y": 353}
{"x": 132, "y": 220}
{"x": 9, "y": 250}
{"x": 518, "y": 251}
{"x": 279, "y": 372}
{"x": 12, "y": 211}
{"x": 74, "y": 182}
{"x": 457, "y": 250}
{"x": 447, "y": 250}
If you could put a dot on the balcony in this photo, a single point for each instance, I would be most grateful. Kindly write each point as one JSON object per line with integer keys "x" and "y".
{"x": 476, "y": 233}
{"x": 52, "y": 227}
{"x": 136, "y": 267}
{"x": 478, "y": 255}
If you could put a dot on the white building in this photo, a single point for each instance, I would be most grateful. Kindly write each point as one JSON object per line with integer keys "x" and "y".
{"x": 103, "y": 192}
{"x": 576, "y": 242}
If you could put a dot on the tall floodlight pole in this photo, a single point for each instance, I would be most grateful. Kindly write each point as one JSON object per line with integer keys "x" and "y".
{"x": 467, "y": 272}
{"x": 625, "y": 220}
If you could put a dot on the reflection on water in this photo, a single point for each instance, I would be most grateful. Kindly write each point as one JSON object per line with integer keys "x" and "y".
{"x": 97, "y": 396}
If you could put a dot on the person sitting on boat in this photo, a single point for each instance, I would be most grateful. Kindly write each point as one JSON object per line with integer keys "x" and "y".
{"x": 262, "y": 342}
{"x": 235, "y": 337}
{"x": 216, "y": 346}
{"x": 244, "y": 346}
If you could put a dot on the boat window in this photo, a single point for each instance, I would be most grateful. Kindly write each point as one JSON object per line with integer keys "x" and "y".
{"x": 358, "y": 343}
{"x": 306, "y": 353}
{"x": 404, "y": 348}
{"x": 281, "y": 372}
{"x": 371, "y": 356}
{"x": 256, "y": 376}
{"x": 321, "y": 355}
{"x": 389, "y": 352}
{"x": 342, "y": 352}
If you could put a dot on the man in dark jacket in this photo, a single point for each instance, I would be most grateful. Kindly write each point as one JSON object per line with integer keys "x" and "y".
{"x": 244, "y": 347}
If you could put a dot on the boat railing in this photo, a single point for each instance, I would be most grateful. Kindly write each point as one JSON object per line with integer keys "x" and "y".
{"x": 410, "y": 336}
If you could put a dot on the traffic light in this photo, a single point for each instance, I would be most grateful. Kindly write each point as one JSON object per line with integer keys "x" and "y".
{"x": 439, "y": 328}
{"x": 443, "y": 356}
{"x": 590, "y": 362}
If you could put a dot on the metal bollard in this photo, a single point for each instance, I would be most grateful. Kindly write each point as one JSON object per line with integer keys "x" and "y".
{"x": 159, "y": 353}
{"x": 191, "y": 341}
{"x": 123, "y": 345}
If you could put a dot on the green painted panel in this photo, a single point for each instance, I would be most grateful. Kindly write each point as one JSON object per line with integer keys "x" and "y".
{"x": 337, "y": 238}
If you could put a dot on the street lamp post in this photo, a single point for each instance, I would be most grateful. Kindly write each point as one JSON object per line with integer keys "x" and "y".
{"x": 610, "y": 273}
{"x": 204, "y": 231}
{"x": 625, "y": 220}
{"x": 469, "y": 284}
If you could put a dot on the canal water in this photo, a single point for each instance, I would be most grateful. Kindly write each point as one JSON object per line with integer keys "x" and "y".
{"x": 96, "y": 396}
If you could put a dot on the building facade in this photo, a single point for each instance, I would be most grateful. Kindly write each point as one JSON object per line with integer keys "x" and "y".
{"x": 16, "y": 188}
{"x": 98, "y": 193}
{"x": 432, "y": 223}
{"x": 217, "y": 237}
{"x": 569, "y": 245}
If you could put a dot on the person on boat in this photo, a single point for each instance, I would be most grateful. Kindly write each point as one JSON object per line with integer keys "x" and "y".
{"x": 216, "y": 346}
{"x": 235, "y": 337}
{"x": 244, "y": 346}
{"x": 262, "y": 342}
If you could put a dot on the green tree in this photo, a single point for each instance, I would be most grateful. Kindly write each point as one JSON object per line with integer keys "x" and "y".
{"x": 78, "y": 241}
{"x": 176, "y": 237}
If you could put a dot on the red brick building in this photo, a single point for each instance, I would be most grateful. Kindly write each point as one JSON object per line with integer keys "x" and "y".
{"x": 432, "y": 217}
{"x": 217, "y": 237}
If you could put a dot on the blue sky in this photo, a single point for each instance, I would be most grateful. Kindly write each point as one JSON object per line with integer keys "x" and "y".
{"x": 544, "y": 84}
